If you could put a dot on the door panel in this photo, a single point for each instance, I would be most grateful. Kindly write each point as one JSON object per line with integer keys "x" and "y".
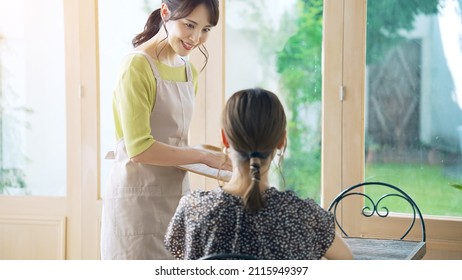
{"x": 33, "y": 130}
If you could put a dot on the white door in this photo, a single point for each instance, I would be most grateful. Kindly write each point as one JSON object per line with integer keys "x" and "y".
{"x": 35, "y": 170}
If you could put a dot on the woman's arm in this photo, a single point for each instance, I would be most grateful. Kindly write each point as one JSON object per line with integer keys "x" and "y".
{"x": 166, "y": 155}
{"x": 339, "y": 250}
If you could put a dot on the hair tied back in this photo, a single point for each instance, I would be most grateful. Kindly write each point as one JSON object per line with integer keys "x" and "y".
{"x": 255, "y": 155}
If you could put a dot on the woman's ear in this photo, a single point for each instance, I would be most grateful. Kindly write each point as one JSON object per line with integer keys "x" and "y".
{"x": 224, "y": 140}
{"x": 283, "y": 142}
{"x": 164, "y": 12}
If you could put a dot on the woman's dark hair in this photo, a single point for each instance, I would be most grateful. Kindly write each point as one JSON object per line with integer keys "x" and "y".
{"x": 179, "y": 9}
{"x": 254, "y": 123}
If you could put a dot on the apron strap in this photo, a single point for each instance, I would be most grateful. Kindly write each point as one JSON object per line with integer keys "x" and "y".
{"x": 189, "y": 75}
{"x": 151, "y": 62}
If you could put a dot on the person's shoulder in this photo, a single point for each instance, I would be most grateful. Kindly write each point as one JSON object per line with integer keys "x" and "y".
{"x": 200, "y": 201}
{"x": 202, "y": 195}
{"x": 289, "y": 197}
{"x": 136, "y": 59}
{"x": 283, "y": 194}
{"x": 135, "y": 65}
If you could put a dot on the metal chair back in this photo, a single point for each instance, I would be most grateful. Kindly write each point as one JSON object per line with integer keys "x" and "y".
{"x": 377, "y": 208}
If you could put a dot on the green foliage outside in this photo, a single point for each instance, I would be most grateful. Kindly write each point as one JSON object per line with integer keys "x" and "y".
{"x": 12, "y": 178}
{"x": 299, "y": 65}
{"x": 385, "y": 19}
{"x": 426, "y": 184}
{"x": 457, "y": 186}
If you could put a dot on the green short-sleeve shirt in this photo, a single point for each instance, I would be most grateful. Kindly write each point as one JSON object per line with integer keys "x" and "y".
{"x": 134, "y": 99}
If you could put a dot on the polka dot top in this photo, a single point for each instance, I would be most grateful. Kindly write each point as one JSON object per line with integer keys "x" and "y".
{"x": 289, "y": 228}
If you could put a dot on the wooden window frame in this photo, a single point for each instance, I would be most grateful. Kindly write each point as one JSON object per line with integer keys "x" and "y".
{"x": 344, "y": 41}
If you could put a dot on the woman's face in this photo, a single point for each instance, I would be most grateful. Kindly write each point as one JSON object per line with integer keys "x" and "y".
{"x": 188, "y": 33}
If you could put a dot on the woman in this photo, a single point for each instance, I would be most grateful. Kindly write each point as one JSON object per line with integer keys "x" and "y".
{"x": 247, "y": 216}
{"x": 152, "y": 107}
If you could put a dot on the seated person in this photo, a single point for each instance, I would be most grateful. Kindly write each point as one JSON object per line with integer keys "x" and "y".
{"x": 247, "y": 215}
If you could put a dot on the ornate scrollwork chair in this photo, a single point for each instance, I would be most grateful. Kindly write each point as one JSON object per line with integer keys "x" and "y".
{"x": 377, "y": 207}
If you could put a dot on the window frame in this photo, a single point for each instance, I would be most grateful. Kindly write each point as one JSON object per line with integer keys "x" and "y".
{"x": 344, "y": 41}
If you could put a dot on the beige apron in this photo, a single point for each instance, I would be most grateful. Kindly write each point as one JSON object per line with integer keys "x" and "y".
{"x": 140, "y": 199}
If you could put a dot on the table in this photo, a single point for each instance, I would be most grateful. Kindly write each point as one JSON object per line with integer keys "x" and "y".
{"x": 382, "y": 249}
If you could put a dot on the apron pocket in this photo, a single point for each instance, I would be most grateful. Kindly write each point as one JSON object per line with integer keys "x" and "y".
{"x": 139, "y": 211}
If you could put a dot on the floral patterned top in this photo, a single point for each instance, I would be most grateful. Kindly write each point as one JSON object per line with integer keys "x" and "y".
{"x": 289, "y": 228}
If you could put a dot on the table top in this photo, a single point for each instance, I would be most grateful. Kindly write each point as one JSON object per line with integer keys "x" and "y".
{"x": 383, "y": 249}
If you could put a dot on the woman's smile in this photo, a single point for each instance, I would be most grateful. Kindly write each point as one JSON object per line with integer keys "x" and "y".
{"x": 187, "y": 46}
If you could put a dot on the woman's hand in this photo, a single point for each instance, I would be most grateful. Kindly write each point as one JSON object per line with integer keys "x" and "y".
{"x": 215, "y": 158}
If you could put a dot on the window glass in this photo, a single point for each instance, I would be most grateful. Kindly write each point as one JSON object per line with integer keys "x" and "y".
{"x": 32, "y": 98}
{"x": 276, "y": 45}
{"x": 414, "y": 100}
{"x": 119, "y": 22}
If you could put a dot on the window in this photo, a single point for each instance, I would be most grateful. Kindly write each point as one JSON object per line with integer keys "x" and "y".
{"x": 276, "y": 45}
{"x": 345, "y": 159}
{"x": 414, "y": 101}
{"x": 32, "y": 98}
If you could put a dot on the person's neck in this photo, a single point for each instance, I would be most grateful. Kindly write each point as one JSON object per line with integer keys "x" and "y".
{"x": 240, "y": 183}
{"x": 161, "y": 51}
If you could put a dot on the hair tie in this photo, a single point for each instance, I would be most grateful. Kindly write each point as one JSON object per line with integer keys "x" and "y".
{"x": 255, "y": 155}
